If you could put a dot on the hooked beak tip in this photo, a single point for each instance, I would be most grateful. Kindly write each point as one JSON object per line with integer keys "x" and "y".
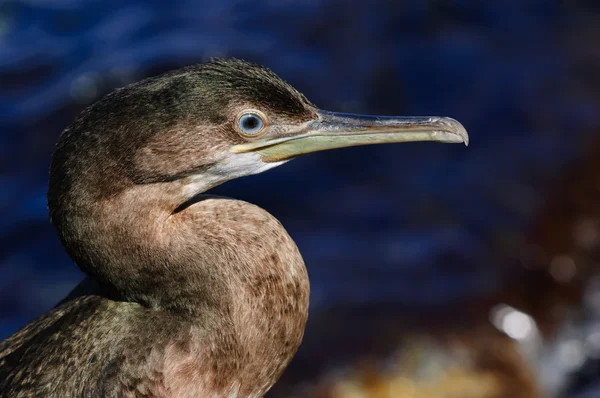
{"x": 456, "y": 129}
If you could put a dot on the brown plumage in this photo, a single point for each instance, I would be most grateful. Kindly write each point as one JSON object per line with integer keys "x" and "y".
{"x": 187, "y": 295}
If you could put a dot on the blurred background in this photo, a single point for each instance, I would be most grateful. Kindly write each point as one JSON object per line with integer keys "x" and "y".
{"x": 436, "y": 270}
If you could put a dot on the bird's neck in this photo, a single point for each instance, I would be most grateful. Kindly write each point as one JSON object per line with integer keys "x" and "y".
{"x": 218, "y": 259}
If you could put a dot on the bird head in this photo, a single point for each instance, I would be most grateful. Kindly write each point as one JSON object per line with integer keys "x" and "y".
{"x": 203, "y": 125}
{"x": 228, "y": 118}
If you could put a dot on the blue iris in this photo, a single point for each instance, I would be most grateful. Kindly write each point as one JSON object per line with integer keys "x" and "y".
{"x": 251, "y": 123}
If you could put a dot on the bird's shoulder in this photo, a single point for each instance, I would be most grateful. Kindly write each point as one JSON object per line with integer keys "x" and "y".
{"x": 94, "y": 346}
{"x": 77, "y": 349}
{"x": 34, "y": 330}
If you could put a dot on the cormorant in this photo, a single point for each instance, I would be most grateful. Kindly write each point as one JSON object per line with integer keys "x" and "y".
{"x": 187, "y": 295}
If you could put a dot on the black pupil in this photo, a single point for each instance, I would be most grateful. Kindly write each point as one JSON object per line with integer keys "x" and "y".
{"x": 251, "y": 122}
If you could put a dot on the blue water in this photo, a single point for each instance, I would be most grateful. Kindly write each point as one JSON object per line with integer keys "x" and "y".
{"x": 414, "y": 224}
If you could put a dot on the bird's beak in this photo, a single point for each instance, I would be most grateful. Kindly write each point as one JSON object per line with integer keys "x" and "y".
{"x": 338, "y": 130}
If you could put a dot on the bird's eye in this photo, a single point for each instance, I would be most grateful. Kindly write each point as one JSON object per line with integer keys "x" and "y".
{"x": 251, "y": 123}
